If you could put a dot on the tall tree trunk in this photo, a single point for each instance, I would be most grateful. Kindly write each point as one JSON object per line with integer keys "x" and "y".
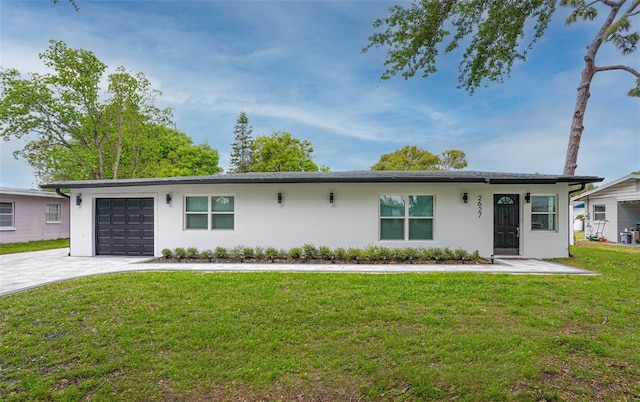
{"x": 590, "y": 69}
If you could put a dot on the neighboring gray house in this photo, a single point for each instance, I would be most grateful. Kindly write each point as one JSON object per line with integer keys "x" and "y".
{"x": 612, "y": 210}
{"x": 495, "y": 213}
{"x": 27, "y": 215}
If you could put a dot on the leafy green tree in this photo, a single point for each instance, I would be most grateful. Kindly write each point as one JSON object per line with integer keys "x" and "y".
{"x": 173, "y": 154}
{"x": 77, "y": 131}
{"x": 410, "y": 157}
{"x": 241, "y": 147}
{"x": 453, "y": 159}
{"x": 280, "y": 152}
{"x": 496, "y": 33}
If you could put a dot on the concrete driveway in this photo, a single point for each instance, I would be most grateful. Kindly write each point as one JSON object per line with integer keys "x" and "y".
{"x": 24, "y": 271}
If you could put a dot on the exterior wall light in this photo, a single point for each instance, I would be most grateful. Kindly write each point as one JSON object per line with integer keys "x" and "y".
{"x": 78, "y": 199}
{"x": 168, "y": 198}
{"x": 331, "y": 198}
{"x": 279, "y": 198}
{"x": 465, "y": 198}
{"x": 527, "y": 198}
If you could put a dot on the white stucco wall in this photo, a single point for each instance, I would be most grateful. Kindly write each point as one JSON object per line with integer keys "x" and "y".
{"x": 306, "y": 216}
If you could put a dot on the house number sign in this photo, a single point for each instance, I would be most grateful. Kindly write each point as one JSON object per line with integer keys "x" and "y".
{"x": 479, "y": 206}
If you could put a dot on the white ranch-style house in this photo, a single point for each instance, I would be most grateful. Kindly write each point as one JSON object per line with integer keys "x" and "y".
{"x": 497, "y": 214}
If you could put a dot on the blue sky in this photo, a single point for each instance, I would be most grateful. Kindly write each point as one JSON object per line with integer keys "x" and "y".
{"x": 297, "y": 66}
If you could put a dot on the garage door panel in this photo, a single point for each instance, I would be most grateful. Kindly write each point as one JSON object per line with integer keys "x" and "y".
{"x": 118, "y": 218}
{"x": 123, "y": 228}
{"x": 103, "y": 204}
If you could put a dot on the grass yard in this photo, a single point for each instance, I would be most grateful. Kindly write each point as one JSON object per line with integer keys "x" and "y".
{"x": 11, "y": 248}
{"x": 167, "y": 336}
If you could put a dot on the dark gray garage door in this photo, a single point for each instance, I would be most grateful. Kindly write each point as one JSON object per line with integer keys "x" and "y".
{"x": 124, "y": 226}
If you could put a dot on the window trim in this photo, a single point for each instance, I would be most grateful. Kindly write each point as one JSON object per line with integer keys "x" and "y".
{"x": 406, "y": 218}
{"x": 12, "y": 214}
{"x": 210, "y": 213}
{"x": 58, "y": 213}
{"x": 546, "y": 213}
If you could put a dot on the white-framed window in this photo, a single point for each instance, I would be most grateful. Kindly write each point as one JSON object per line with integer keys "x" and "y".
{"x": 544, "y": 212}
{"x": 599, "y": 213}
{"x": 52, "y": 213}
{"x": 209, "y": 212}
{"x": 406, "y": 217}
{"x": 7, "y": 215}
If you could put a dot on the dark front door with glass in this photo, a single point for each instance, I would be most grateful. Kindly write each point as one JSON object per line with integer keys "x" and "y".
{"x": 506, "y": 224}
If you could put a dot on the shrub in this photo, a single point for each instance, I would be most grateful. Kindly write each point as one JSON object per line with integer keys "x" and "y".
{"x": 295, "y": 252}
{"x": 459, "y": 254}
{"x": 448, "y": 254}
{"x": 167, "y": 253}
{"x": 248, "y": 252}
{"x": 192, "y": 252}
{"x": 180, "y": 252}
{"x": 409, "y": 253}
{"x": 438, "y": 254}
{"x": 427, "y": 254}
{"x": 236, "y": 252}
{"x": 370, "y": 253}
{"x": 340, "y": 253}
{"x": 271, "y": 252}
{"x": 206, "y": 254}
{"x": 354, "y": 254}
{"x": 258, "y": 252}
{"x": 384, "y": 253}
{"x": 221, "y": 252}
{"x": 325, "y": 252}
{"x": 310, "y": 251}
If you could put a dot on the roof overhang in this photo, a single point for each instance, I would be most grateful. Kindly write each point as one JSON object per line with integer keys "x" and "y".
{"x": 367, "y": 176}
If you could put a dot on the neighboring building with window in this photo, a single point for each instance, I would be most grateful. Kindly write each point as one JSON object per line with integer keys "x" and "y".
{"x": 612, "y": 211}
{"x": 495, "y": 213}
{"x": 27, "y": 215}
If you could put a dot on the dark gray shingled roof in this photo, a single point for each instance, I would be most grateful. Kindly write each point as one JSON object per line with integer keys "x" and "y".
{"x": 360, "y": 176}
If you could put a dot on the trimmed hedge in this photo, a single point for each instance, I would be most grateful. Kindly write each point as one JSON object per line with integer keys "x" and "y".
{"x": 370, "y": 254}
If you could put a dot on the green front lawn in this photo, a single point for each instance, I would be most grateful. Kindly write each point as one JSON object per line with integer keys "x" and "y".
{"x": 11, "y": 248}
{"x": 285, "y": 336}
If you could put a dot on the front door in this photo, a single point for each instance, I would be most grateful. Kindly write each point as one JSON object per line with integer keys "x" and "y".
{"x": 506, "y": 224}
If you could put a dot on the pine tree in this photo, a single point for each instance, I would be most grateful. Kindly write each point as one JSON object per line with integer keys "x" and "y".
{"x": 241, "y": 157}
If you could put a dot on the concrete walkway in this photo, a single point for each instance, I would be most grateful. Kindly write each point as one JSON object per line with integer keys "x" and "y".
{"x": 24, "y": 271}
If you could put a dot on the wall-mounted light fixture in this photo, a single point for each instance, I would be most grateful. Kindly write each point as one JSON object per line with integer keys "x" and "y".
{"x": 331, "y": 198}
{"x": 527, "y": 198}
{"x": 168, "y": 198}
{"x": 279, "y": 198}
{"x": 465, "y": 198}
{"x": 78, "y": 199}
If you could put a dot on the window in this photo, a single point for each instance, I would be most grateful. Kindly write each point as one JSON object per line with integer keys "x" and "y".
{"x": 209, "y": 213}
{"x": 543, "y": 212}
{"x": 599, "y": 213}
{"x": 6, "y": 215}
{"x": 405, "y": 217}
{"x": 52, "y": 213}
